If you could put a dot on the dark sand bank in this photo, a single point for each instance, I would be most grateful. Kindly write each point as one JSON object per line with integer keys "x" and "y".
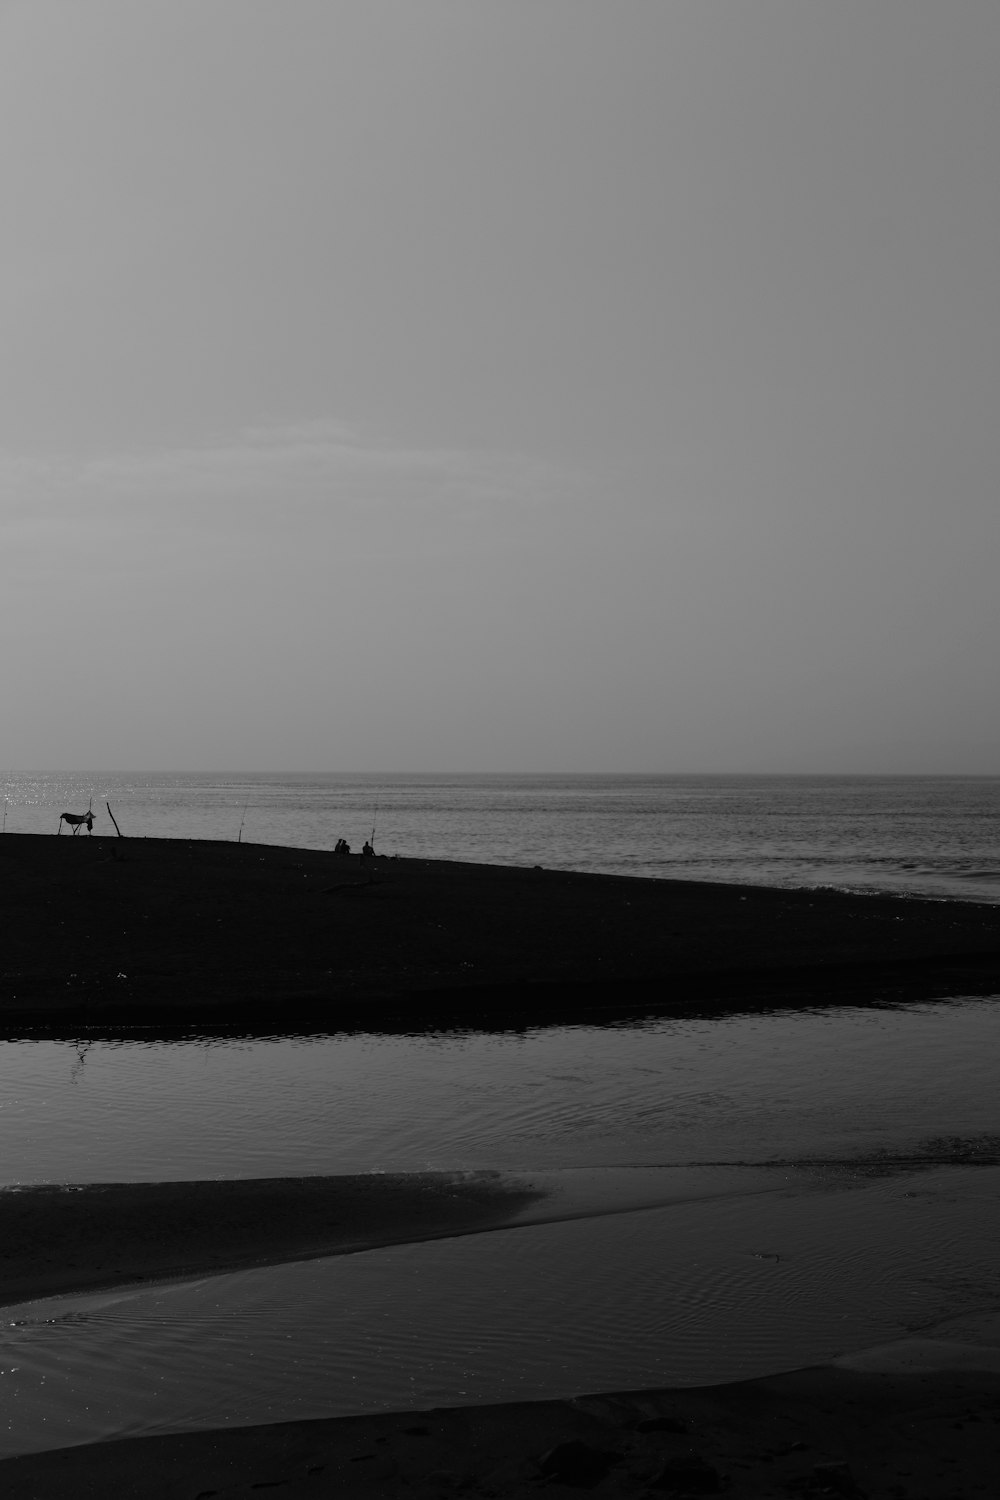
{"x": 55, "y": 1239}
{"x": 813, "y": 1433}
{"x": 171, "y": 932}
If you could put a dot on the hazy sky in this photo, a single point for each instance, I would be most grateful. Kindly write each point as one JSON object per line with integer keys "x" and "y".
{"x": 500, "y": 385}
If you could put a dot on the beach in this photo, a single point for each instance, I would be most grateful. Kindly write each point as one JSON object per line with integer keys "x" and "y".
{"x": 62, "y": 1239}
{"x": 161, "y": 934}
{"x": 168, "y": 932}
{"x": 500, "y": 845}
{"x": 840, "y": 1431}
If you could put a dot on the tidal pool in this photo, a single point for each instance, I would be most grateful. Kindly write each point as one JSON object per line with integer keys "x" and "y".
{"x": 732, "y": 1088}
{"x": 724, "y": 1190}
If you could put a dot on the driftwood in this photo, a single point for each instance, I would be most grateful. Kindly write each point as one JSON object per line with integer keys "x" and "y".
{"x": 113, "y": 819}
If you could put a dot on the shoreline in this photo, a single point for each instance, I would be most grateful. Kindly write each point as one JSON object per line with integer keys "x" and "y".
{"x": 888, "y": 1424}
{"x": 176, "y": 935}
{"x": 180, "y": 934}
{"x": 139, "y": 1234}
{"x": 124, "y": 1234}
{"x": 925, "y": 1404}
{"x": 68, "y": 1240}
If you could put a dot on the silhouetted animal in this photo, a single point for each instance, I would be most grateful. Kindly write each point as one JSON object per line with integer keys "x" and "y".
{"x": 76, "y": 821}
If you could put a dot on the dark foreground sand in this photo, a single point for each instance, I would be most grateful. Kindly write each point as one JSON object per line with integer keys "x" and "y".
{"x": 819, "y": 1432}
{"x": 167, "y": 932}
{"x": 915, "y": 1420}
{"x": 171, "y": 934}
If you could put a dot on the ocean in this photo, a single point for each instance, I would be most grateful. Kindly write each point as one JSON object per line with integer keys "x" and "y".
{"x": 936, "y": 836}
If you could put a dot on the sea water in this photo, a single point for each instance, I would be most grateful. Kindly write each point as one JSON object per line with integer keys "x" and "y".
{"x": 722, "y": 1278}
{"x": 726, "y": 1196}
{"x": 935, "y": 836}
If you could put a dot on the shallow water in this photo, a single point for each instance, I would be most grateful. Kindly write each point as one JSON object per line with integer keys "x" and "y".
{"x": 773, "y": 1266}
{"x": 752, "y": 1087}
{"x": 684, "y": 1295}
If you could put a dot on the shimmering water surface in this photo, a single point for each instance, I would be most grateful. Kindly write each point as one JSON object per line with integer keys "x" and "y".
{"x": 689, "y": 1294}
{"x": 937, "y": 835}
{"x": 664, "y": 1091}
{"x": 676, "y": 1268}
{"x": 665, "y": 1273}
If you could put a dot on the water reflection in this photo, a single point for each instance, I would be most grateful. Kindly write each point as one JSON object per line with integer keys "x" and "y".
{"x": 665, "y": 1090}
{"x": 876, "y": 1236}
{"x": 691, "y": 1294}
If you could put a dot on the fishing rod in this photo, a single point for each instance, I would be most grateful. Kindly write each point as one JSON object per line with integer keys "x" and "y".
{"x": 239, "y": 838}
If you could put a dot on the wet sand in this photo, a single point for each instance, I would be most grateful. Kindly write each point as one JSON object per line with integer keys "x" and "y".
{"x": 930, "y": 1431}
{"x": 58, "y": 1239}
{"x": 170, "y": 933}
{"x": 163, "y": 933}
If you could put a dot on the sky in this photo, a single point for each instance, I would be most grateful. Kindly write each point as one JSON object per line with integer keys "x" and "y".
{"x": 500, "y": 385}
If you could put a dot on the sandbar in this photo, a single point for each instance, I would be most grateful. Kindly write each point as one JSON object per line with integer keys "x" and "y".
{"x": 105, "y": 932}
{"x": 58, "y": 1239}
